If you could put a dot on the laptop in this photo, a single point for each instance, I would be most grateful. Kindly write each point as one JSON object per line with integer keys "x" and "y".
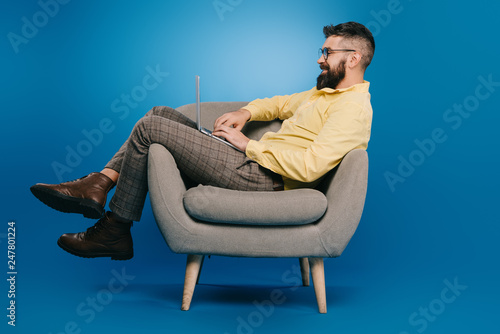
{"x": 198, "y": 118}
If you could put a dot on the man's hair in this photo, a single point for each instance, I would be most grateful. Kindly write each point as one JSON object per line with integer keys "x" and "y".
{"x": 356, "y": 36}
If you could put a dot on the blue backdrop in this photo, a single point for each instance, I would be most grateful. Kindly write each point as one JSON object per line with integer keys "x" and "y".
{"x": 425, "y": 256}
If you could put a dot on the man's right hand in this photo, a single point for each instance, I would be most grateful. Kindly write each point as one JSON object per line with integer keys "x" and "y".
{"x": 236, "y": 119}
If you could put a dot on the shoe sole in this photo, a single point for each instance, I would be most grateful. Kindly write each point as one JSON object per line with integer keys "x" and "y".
{"x": 114, "y": 256}
{"x": 68, "y": 204}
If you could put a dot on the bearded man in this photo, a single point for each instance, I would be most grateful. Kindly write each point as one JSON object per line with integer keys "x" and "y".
{"x": 320, "y": 126}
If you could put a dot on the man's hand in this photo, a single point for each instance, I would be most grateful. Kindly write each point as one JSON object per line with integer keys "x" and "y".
{"x": 236, "y": 119}
{"x": 229, "y": 126}
{"x": 232, "y": 135}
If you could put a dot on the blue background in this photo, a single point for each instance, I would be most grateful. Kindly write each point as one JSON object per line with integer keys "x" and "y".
{"x": 439, "y": 225}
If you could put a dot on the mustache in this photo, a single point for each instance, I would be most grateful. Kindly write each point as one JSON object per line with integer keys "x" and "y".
{"x": 324, "y": 67}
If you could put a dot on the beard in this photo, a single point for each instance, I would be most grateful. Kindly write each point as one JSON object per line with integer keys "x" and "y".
{"x": 332, "y": 77}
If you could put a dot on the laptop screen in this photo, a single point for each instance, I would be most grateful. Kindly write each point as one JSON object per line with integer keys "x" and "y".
{"x": 198, "y": 103}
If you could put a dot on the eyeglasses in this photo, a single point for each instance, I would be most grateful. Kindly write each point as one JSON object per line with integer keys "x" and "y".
{"x": 326, "y": 51}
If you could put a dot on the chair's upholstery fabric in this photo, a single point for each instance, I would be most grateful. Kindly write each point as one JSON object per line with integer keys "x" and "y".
{"x": 225, "y": 206}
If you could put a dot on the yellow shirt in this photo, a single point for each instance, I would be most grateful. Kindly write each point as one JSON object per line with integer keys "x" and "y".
{"x": 320, "y": 128}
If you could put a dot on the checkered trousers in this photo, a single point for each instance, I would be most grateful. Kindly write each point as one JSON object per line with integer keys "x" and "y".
{"x": 201, "y": 158}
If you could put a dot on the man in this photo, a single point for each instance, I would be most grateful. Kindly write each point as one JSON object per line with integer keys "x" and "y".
{"x": 320, "y": 126}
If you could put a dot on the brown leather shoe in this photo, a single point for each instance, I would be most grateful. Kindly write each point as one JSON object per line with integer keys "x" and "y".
{"x": 86, "y": 195}
{"x": 107, "y": 238}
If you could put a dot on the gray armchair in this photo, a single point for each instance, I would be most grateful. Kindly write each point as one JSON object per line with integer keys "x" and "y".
{"x": 332, "y": 212}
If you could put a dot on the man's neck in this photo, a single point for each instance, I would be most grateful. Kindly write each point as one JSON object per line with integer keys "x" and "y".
{"x": 350, "y": 81}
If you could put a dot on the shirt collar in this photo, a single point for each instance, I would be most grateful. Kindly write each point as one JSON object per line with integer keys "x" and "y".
{"x": 361, "y": 87}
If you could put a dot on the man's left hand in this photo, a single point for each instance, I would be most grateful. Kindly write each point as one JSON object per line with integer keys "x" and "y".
{"x": 232, "y": 135}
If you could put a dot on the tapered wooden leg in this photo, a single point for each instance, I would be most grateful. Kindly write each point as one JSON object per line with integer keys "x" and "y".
{"x": 318, "y": 277}
{"x": 201, "y": 267}
{"x": 304, "y": 270}
{"x": 193, "y": 267}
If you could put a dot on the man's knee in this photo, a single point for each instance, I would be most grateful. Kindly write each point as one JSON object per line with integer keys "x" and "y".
{"x": 152, "y": 129}
{"x": 140, "y": 126}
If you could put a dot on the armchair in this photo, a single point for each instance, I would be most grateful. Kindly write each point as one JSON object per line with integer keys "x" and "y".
{"x": 334, "y": 211}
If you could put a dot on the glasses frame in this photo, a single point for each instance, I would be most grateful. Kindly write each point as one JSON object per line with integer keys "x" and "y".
{"x": 326, "y": 51}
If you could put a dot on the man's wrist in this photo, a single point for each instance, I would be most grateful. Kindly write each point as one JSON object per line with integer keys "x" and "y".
{"x": 247, "y": 113}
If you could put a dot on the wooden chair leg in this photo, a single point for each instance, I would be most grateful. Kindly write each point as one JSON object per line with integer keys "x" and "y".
{"x": 318, "y": 277}
{"x": 193, "y": 267}
{"x": 304, "y": 270}
{"x": 201, "y": 267}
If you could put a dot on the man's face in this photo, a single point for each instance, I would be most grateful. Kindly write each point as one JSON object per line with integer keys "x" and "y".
{"x": 334, "y": 68}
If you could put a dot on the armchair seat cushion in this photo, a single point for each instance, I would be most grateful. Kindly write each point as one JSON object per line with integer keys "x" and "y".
{"x": 226, "y": 206}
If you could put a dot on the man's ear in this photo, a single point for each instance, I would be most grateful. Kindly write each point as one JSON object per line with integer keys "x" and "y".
{"x": 354, "y": 59}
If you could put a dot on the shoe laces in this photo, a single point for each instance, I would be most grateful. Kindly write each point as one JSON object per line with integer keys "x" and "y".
{"x": 96, "y": 229}
{"x": 75, "y": 180}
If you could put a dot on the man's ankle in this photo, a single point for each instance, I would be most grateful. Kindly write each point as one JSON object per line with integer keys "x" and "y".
{"x": 112, "y": 174}
{"x": 119, "y": 219}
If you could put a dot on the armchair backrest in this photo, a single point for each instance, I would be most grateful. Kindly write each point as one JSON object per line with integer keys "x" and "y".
{"x": 210, "y": 111}
{"x": 345, "y": 189}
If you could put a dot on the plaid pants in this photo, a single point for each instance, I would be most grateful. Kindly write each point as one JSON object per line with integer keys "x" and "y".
{"x": 199, "y": 157}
